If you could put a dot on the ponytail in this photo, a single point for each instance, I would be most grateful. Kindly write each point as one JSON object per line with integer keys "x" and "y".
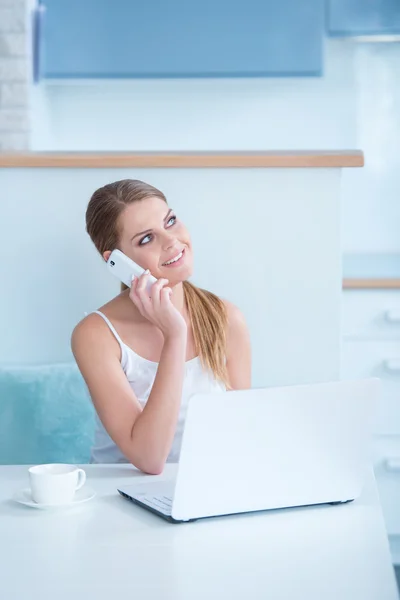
{"x": 209, "y": 320}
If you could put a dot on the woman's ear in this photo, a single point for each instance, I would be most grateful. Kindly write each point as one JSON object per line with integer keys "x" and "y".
{"x": 106, "y": 255}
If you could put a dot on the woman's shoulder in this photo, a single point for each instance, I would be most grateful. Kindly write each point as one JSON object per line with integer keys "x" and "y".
{"x": 94, "y": 328}
{"x": 237, "y": 330}
{"x": 90, "y": 331}
{"x": 235, "y": 316}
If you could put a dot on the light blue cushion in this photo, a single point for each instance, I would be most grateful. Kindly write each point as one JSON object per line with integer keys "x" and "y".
{"x": 46, "y": 415}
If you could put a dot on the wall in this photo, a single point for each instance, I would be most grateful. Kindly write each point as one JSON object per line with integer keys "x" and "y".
{"x": 247, "y": 114}
{"x": 356, "y": 104}
{"x": 273, "y": 250}
{"x": 371, "y": 204}
{"x": 15, "y": 58}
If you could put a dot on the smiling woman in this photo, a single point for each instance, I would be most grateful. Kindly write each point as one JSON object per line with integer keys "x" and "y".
{"x": 143, "y": 357}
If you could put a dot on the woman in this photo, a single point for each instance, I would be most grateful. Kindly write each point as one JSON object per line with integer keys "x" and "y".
{"x": 143, "y": 357}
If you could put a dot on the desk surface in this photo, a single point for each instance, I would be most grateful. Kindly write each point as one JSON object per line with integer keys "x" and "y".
{"x": 110, "y": 548}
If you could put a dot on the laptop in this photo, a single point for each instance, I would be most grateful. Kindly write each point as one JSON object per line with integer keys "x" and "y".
{"x": 271, "y": 448}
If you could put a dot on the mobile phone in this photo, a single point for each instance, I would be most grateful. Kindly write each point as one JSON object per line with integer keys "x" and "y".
{"x": 124, "y": 268}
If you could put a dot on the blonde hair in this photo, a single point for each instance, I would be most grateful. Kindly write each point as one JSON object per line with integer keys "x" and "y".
{"x": 207, "y": 312}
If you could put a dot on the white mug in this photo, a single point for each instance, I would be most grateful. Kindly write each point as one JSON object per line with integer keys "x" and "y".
{"x": 55, "y": 484}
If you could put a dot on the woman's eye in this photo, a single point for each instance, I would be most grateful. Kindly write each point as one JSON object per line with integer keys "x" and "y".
{"x": 171, "y": 219}
{"x": 143, "y": 240}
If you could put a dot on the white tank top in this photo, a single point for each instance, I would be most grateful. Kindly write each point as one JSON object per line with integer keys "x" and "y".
{"x": 141, "y": 373}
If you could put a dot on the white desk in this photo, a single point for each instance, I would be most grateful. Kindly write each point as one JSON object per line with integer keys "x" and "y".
{"x": 110, "y": 548}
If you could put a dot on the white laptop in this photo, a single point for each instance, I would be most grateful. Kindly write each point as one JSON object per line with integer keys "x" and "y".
{"x": 261, "y": 449}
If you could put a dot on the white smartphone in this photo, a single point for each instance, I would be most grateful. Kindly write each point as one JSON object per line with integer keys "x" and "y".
{"x": 124, "y": 267}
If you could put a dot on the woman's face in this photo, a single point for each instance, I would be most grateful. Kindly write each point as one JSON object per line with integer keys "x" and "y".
{"x": 153, "y": 236}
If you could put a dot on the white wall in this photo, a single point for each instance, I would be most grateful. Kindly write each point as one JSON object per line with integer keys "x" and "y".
{"x": 356, "y": 104}
{"x": 205, "y": 114}
{"x": 272, "y": 248}
{"x": 371, "y": 205}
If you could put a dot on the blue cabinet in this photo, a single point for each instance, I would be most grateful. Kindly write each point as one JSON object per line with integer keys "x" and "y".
{"x": 363, "y": 17}
{"x": 182, "y": 38}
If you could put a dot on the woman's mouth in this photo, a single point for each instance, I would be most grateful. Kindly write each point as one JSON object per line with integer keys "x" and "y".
{"x": 176, "y": 260}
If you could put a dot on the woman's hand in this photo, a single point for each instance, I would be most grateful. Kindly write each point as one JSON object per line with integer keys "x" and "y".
{"x": 157, "y": 307}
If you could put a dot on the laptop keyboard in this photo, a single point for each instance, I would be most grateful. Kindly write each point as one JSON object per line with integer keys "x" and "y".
{"x": 160, "y": 503}
{"x": 156, "y": 495}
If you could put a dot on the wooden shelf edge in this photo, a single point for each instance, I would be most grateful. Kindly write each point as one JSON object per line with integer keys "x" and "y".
{"x": 270, "y": 159}
{"x": 371, "y": 284}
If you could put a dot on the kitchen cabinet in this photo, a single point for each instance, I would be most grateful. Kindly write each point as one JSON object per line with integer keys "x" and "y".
{"x": 363, "y": 17}
{"x": 371, "y": 348}
{"x": 154, "y": 39}
{"x": 273, "y": 251}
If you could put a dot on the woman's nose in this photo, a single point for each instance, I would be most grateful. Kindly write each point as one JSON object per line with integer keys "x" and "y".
{"x": 169, "y": 241}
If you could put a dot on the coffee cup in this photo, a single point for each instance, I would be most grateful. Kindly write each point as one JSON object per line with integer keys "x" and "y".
{"x": 55, "y": 484}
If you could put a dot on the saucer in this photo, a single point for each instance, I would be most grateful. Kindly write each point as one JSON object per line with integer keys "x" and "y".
{"x": 25, "y": 497}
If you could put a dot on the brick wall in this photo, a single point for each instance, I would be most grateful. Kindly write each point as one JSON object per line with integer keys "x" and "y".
{"x": 15, "y": 74}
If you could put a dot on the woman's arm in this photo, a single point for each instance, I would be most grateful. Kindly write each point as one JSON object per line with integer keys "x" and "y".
{"x": 238, "y": 355}
{"x": 145, "y": 435}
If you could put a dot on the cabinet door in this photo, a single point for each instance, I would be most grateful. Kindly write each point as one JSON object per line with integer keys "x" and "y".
{"x": 363, "y": 359}
{"x": 371, "y": 314}
{"x": 386, "y": 460}
{"x": 363, "y": 17}
{"x": 177, "y": 38}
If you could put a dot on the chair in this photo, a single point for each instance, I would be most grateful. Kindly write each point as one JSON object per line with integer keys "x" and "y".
{"x": 46, "y": 415}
